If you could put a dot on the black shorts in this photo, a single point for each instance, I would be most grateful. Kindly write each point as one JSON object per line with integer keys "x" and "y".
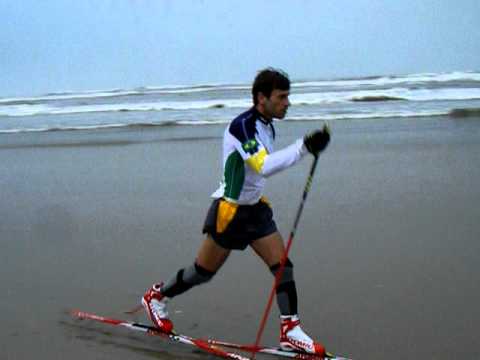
{"x": 249, "y": 223}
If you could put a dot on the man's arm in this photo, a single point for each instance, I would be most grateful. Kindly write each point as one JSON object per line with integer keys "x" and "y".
{"x": 268, "y": 164}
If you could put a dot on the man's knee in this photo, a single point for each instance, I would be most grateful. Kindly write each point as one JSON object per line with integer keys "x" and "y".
{"x": 286, "y": 289}
{"x": 287, "y": 274}
{"x": 185, "y": 279}
{"x": 196, "y": 274}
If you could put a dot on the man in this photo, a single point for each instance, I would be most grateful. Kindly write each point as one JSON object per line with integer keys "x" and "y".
{"x": 240, "y": 216}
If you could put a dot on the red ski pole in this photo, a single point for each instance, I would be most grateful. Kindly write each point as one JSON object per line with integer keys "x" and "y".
{"x": 285, "y": 256}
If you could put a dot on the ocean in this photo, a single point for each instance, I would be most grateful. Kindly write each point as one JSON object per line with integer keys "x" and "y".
{"x": 376, "y": 97}
{"x": 391, "y": 221}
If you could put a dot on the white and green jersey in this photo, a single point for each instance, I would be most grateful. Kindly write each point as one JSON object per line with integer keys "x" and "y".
{"x": 248, "y": 158}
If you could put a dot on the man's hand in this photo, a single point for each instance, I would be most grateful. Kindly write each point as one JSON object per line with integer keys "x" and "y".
{"x": 317, "y": 140}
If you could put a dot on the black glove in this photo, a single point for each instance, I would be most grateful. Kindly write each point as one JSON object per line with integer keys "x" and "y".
{"x": 317, "y": 140}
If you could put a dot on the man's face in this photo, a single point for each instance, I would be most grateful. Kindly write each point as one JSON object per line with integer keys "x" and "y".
{"x": 276, "y": 105}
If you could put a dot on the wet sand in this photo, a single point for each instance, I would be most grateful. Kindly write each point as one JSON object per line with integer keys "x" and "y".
{"x": 386, "y": 255}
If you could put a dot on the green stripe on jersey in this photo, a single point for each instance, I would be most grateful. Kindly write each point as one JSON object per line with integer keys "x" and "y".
{"x": 234, "y": 175}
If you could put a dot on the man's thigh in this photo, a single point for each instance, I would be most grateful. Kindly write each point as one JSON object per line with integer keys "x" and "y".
{"x": 270, "y": 248}
{"x": 211, "y": 256}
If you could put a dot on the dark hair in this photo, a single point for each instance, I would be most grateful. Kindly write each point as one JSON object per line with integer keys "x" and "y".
{"x": 267, "y": 80}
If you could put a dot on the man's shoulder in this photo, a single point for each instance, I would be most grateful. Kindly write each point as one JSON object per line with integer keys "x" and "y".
{"x": 243, "y": 127}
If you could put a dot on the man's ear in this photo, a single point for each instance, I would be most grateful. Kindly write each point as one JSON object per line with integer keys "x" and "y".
{"x": 261, "y": 98}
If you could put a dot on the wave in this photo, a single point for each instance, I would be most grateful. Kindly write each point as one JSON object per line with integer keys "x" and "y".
{"x": 465, "y": 112}
{"x": 99, "y": 94}
{"x": 389, "y": 80}
{"x": 82, "y": 127}
{"x": 195, "y": 89}
{"x": 376, "y": 98}
{"x": 370, "y": 81}
{"x": 112, "y": 126}
{"x": 366, "y": 116}
{"x": 318, "y": 98}
{"x": 305, "y": 99}
{"x": 143, "y": 124}
{"x": 69, "y": 96}
{"x": 44, "y": 109}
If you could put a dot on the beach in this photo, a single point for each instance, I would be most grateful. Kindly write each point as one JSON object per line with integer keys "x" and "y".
{"x": 386, "y": 253}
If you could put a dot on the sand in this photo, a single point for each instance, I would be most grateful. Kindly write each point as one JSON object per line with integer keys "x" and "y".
{"x": 386, "y": 254}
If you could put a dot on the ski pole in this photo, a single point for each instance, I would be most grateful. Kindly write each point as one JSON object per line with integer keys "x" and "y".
{"x": 279, "y": 273}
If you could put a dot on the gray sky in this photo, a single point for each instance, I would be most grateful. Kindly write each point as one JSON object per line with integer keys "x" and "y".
{"x": 49, "y": 46}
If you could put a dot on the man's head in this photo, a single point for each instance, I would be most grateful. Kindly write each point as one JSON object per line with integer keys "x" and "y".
{"x": 270, "y": 92}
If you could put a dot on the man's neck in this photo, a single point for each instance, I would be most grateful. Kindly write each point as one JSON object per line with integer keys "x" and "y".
{"x": 262, "y": 115}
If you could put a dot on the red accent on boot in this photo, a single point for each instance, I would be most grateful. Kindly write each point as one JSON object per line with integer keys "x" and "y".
{"x": 319, "y": 349}
{"x": 163, "y": 324}
{"x": 285, "y": 326}
{"x": 289, "y": 324}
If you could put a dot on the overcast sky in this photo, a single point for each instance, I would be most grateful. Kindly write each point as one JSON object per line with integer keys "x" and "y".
{"x": 52, "y": 46}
